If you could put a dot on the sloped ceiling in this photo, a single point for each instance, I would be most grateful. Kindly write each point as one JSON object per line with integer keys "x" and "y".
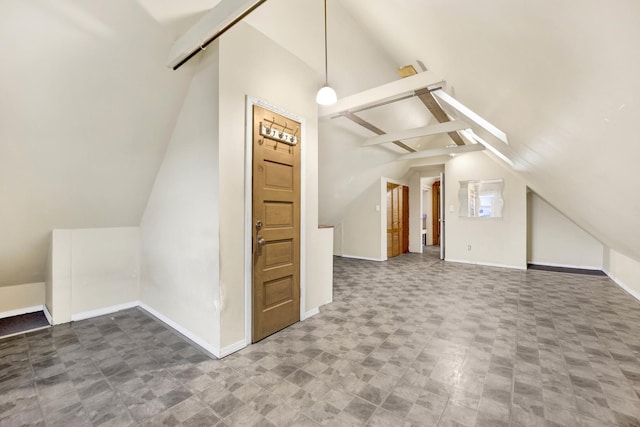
{"x": 87, "y": 107}
{"x": 559, "y": 78}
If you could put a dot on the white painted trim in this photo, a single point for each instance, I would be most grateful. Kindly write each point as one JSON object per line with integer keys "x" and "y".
{"x": 47, "y": 314}
{"x": 212, "y": 24}
{"x": 225, "y": 351}
{"x": 581, "y": 267}
{"x": 310, "y": 313}
{"x": 24, "y": 332}
{"x": 624, "y": 287}
{"x": 102, "y": 311}
{"x": 364, "y": 258}
{"x": 20, "y": 311}
{"x": 248, "y": 214}
{"x": 183, "y": 331}
{"x": 248, "y": 210}
{"x": 486, "y": 264}
{"x": 388, "y": 91}
{"x": 474, "y": 117}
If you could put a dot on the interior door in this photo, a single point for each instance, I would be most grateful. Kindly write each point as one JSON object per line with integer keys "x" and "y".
{"x": 435, "y": 199}
{"x": 397, "y": 219}
{"x": 276, "y": 222}
{"x": 405, "y": 219}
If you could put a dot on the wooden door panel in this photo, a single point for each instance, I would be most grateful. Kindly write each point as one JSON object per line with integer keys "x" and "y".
{"x": 278, "y": 291}
{"x": 278, "y": 176}
{"x": 278, "y": 215}
{"x": 278, "y": 253}
{"x": 276, "y": 232}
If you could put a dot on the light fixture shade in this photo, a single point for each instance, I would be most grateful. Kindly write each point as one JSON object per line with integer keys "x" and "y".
{"x": 326, "y": 96}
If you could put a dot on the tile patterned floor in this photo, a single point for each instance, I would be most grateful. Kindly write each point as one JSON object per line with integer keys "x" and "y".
{"x": 409, "y": 342}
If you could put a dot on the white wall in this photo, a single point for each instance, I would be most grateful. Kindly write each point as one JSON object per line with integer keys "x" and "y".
{"x": 359, "y": 230}
{"x": 251, "y": 64}
{"x": 92, "y": 270}
{"x": 623, "y": 270}
{"x": 179, "y": 228}
{"x": 60, "y": 288}
{"x": 555, "y": 240}
{"x": 415, "y": 213}
{"x": 105, "y": 265}
{"x": 20, "y": 299}
{"x": 85, "y": 121}
{"x": 320, "y": 290}
{"x": 494, "y": 241}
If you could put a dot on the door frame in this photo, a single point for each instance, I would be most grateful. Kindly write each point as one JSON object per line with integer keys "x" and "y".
{"x": 248, "y": 209}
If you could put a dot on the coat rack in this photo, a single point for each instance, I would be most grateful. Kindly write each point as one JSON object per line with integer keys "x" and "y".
{"x": 278, "y": 135}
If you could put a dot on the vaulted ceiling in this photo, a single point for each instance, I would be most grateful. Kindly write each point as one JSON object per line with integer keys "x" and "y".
{"x": 88, "y": 106}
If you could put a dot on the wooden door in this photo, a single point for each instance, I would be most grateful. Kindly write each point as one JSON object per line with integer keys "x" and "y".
{"x": 397, "y": 219}
{"x": 435, "y": 194}
{"x": 405, "y": 219}
{"x": 276, "y": 223}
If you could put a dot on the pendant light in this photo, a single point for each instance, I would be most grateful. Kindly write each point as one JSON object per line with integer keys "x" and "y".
{"x": 326, "y": 95}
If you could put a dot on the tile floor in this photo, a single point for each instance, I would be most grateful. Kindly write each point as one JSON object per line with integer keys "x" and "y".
{"x": 408, "y": 342}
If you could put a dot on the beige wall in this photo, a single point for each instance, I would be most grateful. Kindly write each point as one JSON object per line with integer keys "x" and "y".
{"x": 20, "y": 297}
{"x": 253, "y": 65}
{"x": 104, "y": 268}
{"x": 60, "y": 287}
{"x": 555, "y": 240}
{"x": 623, "y": 270}
{"x": 359, "y": 230}
{"x": 92, "y": 270}
{"x": 494, "y": 241}
{"x": 179, "y": 228}
{"x": 319, "y": 290}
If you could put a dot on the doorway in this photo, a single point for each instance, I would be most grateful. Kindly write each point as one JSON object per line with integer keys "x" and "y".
{"x": 275, "y": 222}
{"x": 397, "y": 219}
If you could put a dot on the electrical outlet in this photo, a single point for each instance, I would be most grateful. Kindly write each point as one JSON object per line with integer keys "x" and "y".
{"x": 468, "y": 247}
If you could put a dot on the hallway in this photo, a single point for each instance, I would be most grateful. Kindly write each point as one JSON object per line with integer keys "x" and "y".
{"x": 409, "y": 341}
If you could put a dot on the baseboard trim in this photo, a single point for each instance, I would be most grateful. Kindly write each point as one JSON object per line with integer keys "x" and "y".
{"x": 577, "y": 267}
{"x": 47, "y": 314}
{"x": 364, "y": 258}
{"x": 232, "y": 348}
{"x": 485, "y": 264}
{"x": 311, "y": 313}
{"x": 102, "y": 311}
{"x": 25, "y": 332}
{"x": 20, "y": 311}
{"x": 624, "y": 287}
{"x": 570, "y": 270}
{"x": 183, "y": 331}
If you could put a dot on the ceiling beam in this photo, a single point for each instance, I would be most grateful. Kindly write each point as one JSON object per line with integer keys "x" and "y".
{"x": 434, "y": 152}
{"x": 407, "y": 72}
{"x": 222, "y": 17}
{"x": 365, "y": 124}
{"x": 458, "y": 106}
{"x": 395, "y": 89}
{"x": 441, "y": 116}
{"x": 446, "y": 127}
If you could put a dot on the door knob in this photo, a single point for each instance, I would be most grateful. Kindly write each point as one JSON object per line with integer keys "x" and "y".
{"x": 258, "y": 225}
{"x": 261, "y": 241}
